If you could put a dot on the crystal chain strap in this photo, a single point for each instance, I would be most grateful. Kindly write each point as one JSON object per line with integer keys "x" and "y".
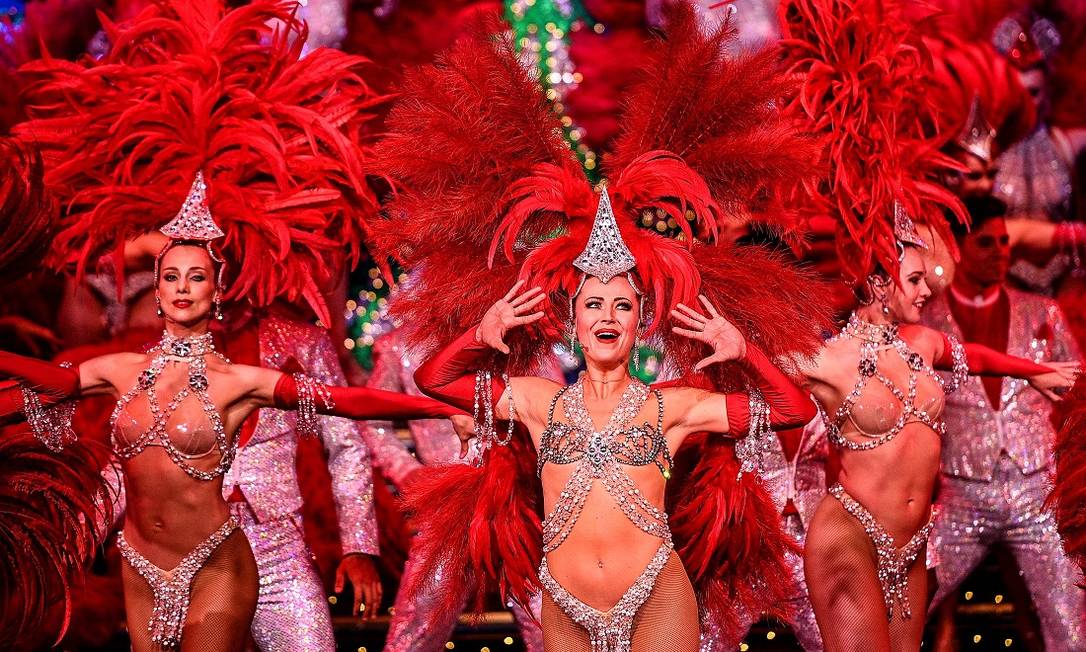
{"x": 51, "y": 425}
{"x": 752, "y": 449}
{"x": 483, "y": 411}
{"x": 309, "y": 391}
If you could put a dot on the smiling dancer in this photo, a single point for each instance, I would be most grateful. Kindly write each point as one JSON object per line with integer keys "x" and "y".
{"x": 630, "y": 554}
{"x": 876, "y": 378}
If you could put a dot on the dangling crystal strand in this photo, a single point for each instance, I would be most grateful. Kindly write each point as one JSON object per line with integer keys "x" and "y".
{"x": 51, "y": 425}
{"x": 172, "y": 589}
{"x": 610, "y": 631}
{"x": 752, "y": 449}
{"x": 309, "y": 391}
{"x": 893, "y": 562}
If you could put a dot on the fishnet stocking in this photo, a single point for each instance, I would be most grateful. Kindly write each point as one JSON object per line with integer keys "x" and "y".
{"x": 666, "y": 622}
{"x": 221, "y": 604}
{"x": 840, "y": 564}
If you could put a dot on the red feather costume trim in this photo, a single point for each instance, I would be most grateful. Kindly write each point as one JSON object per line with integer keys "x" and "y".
{"x": 1068, "y": 497}
{"x": 49, "y": 504}
{"x": 494, "y": 195}
{"x": 867, "y": 91}
{"x": 189, "y": 86}
{"x": 27, "y": 210}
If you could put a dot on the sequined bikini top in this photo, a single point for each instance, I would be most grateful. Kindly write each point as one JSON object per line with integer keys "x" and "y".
{"x": 600, "y": 455}
{"x": 873, "y": 339}
{"x": 190, "y": 351}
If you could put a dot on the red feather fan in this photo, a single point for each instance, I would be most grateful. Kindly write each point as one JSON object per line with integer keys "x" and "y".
{"x": 487, "y": 192}
{"x": 189, "y": 86}
{"x": 1068, "y": 497}
{"x": 49, "y": 504}
{"x": 867, "y": 91}
{"x": 27, "y": 211}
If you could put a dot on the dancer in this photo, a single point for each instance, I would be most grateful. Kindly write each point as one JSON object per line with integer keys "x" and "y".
{"x": 174, "y": 455}
{"x": 995, "y": 461}
{"x": 411, "y": 628}
{"x": 608, "y": 553}
{"x": 796, "y": 479}
{"x": 875, "y": 379}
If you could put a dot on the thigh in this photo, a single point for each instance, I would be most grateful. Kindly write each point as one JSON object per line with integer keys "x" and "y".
{"x": 841, "y": 570}
{"x": 668, "y": 619}
{"x": 560, "y": 632}
{"x": 139, "y": 603}
{"x": 224, "y": 595}
{"x": 907, "y": 634}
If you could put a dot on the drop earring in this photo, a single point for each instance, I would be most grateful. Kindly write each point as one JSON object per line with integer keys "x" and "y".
{"x": 158, "y": 305}
{"x": 637, "y": 354}
{"x": 572, "y": 338}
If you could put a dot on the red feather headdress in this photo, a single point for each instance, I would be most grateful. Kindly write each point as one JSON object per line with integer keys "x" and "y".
{"x": 27, "y": 210}
{"x": 488, "y": 192}
{"x": 867, "y": 91}
{"x": 189, "y": 86}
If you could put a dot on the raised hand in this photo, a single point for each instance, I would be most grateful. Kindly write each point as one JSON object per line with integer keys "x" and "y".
{"x": 719, "y": 333}
{"x": 510, "y": 311}
{"x": 1057, "y": 381}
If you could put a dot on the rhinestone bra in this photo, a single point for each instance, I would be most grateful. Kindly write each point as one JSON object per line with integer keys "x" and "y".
{"x": 875, "y": 338}
{"x": 190, "y": 351}
{"x": 599, "y": 455}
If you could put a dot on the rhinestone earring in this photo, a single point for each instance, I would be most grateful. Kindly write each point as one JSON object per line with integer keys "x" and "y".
{"x": 218, "y": 308}
{"x": 158, "y": 305}
{"x": 637, "y": 354}
{"x": 572, "y": 338}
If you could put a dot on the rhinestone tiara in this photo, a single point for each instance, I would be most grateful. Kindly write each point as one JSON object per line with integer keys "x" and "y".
{"x": 606, "y": 255}
{"x": 978, "y": 134}
{"x": 905, "y": 229}
{"x": 194, "y": 221}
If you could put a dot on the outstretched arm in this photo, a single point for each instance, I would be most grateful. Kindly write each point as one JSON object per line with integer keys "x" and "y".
{"x": 981, "y": 360}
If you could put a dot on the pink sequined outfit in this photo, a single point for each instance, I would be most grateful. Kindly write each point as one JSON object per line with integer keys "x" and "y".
{"x": 435, "y": 443}
{"x": 803, "y": 482}
{"x": 292, "y": 612}
{"x": 995, "y": 474}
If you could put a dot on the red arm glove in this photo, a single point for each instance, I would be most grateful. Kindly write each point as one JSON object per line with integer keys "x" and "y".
{"x": 43, "y": 377}
{"x": 983, "y": 361}
{"x": 364, "y": 403}
{"x": 789, "y": 406}
{"x": 449, "y": 375}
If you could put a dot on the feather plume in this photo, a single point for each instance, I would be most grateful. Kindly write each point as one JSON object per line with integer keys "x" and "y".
{"x": 189, "y": 86}
{"x": 1069, "y": 492}
{"x": 49, "y": 504}
{"x": 27, "y": 210}
{"x": 866, "y": 91}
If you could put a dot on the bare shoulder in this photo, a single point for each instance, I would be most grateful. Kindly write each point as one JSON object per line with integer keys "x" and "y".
{"x": 926, "y": 341}
{"x": 536, "y": 388}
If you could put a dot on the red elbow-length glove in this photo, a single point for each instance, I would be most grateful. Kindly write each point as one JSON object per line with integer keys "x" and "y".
{"x": 984, "y": 361}
{"x": 789, "y": 406}
{"x": 449, "y": 375}
{"x": 51, "y": 382}
{"x": 365, "y": 403}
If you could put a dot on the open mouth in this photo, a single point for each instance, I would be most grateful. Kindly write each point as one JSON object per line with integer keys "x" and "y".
{"x": 606, "y": 335}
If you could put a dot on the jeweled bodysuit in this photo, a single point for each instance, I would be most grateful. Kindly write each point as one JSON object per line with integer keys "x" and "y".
{"x": 893, "y": 562}
{"x": 600, "y": 457}
{"x": 132, "y": 436}
{"x": 995, "y": 465}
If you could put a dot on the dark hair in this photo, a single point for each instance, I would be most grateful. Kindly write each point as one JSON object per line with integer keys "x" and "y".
{"x": 980, "y": 210}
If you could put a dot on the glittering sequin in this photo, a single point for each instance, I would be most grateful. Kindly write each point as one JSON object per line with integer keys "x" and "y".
{"x": 51, "y": 425}
{"x": 172, "y": 588}
{"x": 893, "y": 562}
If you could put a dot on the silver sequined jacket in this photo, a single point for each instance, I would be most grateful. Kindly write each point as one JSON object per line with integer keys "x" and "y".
{"x": 264, "y": 468}
{"x": 435, "y": 441}
{"x": 976, "y": 433}
{"x": 804, "y": 479}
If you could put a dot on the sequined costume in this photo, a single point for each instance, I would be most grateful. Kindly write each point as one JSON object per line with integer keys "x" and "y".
{"x": 292, "y": 612}
{"x": 412, "y": 628}
{"x": 995, "y": 466}
{"x": 1035, "y": 179}
{"x": 797, "y": 485}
